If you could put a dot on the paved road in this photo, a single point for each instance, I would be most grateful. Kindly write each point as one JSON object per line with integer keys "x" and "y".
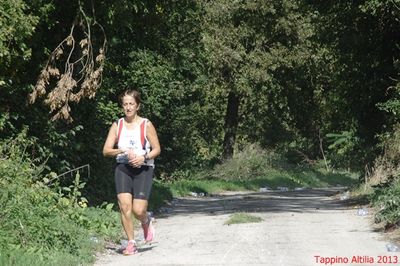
{"x": 307, "y": 227}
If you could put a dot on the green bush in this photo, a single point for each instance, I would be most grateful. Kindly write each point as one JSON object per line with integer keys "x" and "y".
{"x": 387, "y": 202}
{"x": 40, "y": 219}
{"x": 249, "y": 163}
{"x": 382, "y": 184}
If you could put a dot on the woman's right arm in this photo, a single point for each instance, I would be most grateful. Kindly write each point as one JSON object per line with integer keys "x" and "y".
{"x": 108, "y": 148}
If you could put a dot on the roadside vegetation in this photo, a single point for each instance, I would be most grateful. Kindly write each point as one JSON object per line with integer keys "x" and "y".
{"x": 381, "y": 186}
{"x": 254, "y": 168}
{"x": 43, "y": 222}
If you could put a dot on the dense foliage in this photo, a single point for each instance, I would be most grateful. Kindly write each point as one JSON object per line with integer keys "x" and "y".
{"x": 214, "y": 77}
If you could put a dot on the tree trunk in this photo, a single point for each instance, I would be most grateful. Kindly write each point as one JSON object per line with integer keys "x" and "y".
{"x": 231, "y": 124}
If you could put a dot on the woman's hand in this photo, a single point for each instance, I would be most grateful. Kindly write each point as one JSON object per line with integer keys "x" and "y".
{"x": 130, "y": 153}
{"x": 135, "y": 160}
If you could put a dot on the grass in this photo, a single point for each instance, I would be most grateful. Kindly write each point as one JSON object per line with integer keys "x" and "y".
{"x": 241, "y": 218}
{"x": 159, "y": 195}
{"x": 271, "y": 178}
{"x": 254, "y": 167}
{"x": 32, "y": 258}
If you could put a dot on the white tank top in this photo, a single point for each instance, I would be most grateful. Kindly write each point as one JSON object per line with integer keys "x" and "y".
{"x": 134, "y": 139}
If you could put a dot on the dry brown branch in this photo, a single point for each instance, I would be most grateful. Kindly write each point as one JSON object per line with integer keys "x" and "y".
{"x": 73, "y": 71}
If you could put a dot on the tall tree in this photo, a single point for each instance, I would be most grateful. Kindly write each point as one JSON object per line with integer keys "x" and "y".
{"x": 362, "y": 39}
{"x": 246, "y": 42}
{"x": 17, "y": 28}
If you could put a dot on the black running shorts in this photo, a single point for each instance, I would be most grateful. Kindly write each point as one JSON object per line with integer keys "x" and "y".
{"x": 137, "y": 181}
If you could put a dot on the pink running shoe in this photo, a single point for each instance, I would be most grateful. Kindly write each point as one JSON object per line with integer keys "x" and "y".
{"x": 130, "y": 249}
{"x": 148, "y": 230}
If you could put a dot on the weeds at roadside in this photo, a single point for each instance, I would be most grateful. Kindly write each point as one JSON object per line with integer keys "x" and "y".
{"x": 42, "y": 222}
{"x": 381, "y": 185}
{"x": 241, "y": 218}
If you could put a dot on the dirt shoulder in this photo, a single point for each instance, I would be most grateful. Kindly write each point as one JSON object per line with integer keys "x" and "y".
{"x": 307, "y": 227}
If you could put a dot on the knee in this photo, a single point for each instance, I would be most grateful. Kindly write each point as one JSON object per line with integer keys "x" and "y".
{"x": 125, "y": 208}
{"x": 139, "y": 211}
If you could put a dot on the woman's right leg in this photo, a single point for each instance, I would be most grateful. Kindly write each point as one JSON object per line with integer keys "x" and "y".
{"x": 125, "y": 206}
{"x": 124, "y": 188}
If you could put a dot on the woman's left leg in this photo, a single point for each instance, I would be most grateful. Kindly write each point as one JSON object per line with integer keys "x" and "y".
{"x": 139, "y": 209}
{"x": 142, "y": 184}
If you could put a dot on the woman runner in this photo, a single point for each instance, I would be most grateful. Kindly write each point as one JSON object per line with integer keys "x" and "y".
{"x": 133, "y": 141}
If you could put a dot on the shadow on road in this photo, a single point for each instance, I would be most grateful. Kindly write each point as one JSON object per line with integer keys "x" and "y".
{"x": 308, "y": 200}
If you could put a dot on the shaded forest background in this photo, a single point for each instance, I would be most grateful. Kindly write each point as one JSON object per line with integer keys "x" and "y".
{"x": 312, "y": 80}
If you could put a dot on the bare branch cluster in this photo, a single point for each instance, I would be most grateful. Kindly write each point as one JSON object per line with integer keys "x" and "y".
{"x": 73, "y": 70}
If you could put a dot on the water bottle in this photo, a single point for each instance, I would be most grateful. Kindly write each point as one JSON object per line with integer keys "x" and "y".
{"x": 392, "y": 248}
{"x": 345, "y": 196}
{"x": 362, "y": 212}
{"x": 283, "y": 188}
{"x": 264, "y": 189}
{"x": 122, "y": 158}
{"x": 94, "y": 239}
